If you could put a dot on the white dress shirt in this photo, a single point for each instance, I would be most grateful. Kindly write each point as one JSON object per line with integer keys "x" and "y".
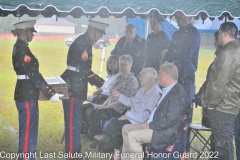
{"x": 164, "y": 93}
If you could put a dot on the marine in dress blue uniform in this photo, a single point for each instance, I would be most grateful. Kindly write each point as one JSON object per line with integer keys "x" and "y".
{"x": 77, "y": 75}
{"x": 29, "y": 82}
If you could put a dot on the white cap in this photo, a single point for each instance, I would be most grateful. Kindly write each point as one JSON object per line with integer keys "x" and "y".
{"x": 99, "y": 26}
{"x": 26, "y": 25}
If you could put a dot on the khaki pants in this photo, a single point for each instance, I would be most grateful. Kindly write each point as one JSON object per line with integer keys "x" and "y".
{"x": 133, "y": 138}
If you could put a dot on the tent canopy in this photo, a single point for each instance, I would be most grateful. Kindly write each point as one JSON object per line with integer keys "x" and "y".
{"x": 119, "y": 8}
{"x": 209, "y": 26}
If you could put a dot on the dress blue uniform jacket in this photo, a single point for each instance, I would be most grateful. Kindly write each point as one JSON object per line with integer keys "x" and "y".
{"x": 80, "y": 56}
{"x": 25, "y": 63}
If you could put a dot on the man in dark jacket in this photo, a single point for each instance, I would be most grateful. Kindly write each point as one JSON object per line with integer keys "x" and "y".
{"x": 163, "y": 124}
{"x": 157, "y": 41}
{"x": 222, "y": 94}
{"x": 132, "y": 45}
{"x": 77, "y": 75}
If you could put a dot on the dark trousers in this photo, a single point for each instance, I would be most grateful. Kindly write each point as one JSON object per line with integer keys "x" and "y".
{"x": 114, "y": 132}
{"x": 73, "y": 122}
{"x": 86, "y": 108}
{"x": 28, "y": 129}
{"x": 97, "y": 117}
{"x": 222, "y": 132}
{"x": 237, "y": 135}
{"x": 189, "y": 88}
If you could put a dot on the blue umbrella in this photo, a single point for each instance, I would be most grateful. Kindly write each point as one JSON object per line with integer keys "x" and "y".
{"x": 209, "y": 26}
{"x": 168, "y": 26}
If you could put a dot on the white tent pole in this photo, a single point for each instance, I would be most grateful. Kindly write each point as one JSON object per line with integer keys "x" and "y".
{"x": 102, "y": 60}
{"x": 146, "y": 30}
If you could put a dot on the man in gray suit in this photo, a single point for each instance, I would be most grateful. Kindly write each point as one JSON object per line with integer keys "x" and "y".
{"x": 164, "y": 121}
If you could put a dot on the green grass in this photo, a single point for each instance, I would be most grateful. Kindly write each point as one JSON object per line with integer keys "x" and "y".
{"x": 52, "y": 59}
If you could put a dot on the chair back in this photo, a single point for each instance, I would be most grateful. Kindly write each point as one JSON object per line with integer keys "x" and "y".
{"x": 178, "y": 145}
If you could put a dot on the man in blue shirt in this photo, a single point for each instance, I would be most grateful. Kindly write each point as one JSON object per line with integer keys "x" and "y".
{"x": 183, "y": 51}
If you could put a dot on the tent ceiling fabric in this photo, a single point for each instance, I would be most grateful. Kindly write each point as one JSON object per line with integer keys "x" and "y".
{"x": 119, "y": 8}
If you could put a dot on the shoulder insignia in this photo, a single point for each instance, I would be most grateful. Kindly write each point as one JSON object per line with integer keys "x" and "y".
{"x": 27, "y": 58}
{"x": 85, "y": 56}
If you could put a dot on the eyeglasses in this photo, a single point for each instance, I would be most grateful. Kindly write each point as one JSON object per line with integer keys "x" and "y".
{"x": 112, "y": 62}
{"x": 124, "y": 65}
{"x": 166, "y": 62}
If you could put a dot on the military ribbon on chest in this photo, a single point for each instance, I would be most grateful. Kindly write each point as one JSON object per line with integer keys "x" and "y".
{"x": 85, "y": 56}
{"x": 27, "y": 58}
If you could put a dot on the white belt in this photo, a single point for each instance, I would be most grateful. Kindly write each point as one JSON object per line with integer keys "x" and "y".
{"x": 72, "y": 68}
{"x": 22, "y": 77}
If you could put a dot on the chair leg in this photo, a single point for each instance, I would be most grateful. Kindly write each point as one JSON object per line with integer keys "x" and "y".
{"x": 203, "y": 140}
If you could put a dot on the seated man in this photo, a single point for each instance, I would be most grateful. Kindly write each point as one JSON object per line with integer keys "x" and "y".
{"x": 162, "y": 126}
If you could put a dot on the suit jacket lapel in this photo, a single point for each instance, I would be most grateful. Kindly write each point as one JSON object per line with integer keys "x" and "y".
{"x": 164, "y": 99}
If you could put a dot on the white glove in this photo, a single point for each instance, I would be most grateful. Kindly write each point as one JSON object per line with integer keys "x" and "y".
{"x": 56, "y": 97}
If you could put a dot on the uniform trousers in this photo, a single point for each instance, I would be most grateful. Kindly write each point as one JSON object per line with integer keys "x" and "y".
{"x": 73, "y": 122}
{"x": 133, "y": 138}
{"x": 28, "y": 129}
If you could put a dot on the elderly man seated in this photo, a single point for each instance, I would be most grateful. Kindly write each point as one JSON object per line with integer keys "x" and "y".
{"x": 164, "y": 121}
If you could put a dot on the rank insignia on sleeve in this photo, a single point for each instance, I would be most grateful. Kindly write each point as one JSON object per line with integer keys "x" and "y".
{"x": 85, "y": 56}
{"x": 27, "y": 59}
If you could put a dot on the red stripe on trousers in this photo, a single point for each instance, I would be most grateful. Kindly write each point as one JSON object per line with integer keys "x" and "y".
{"x": 27, "y": 130}
{"x": 70, "y": 127}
